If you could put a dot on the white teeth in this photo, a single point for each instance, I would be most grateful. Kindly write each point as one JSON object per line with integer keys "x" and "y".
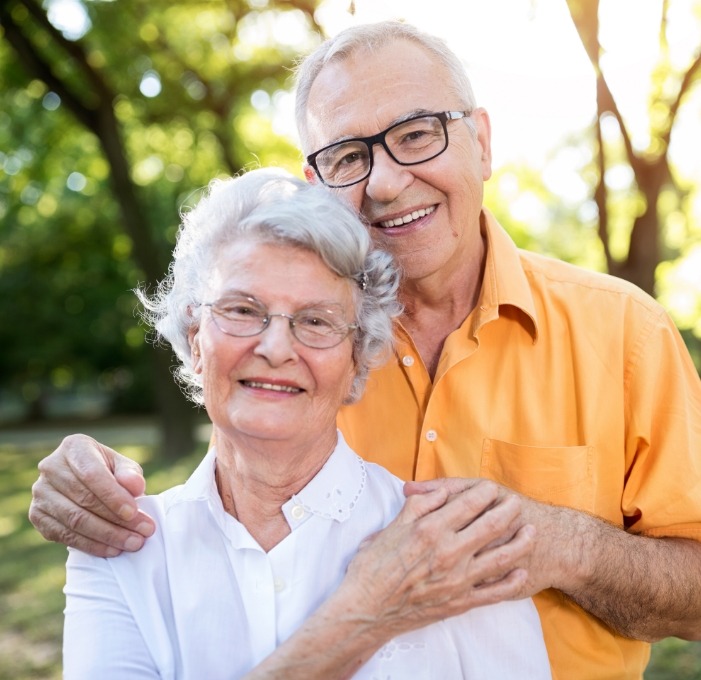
{"x": 275, "y": 388}
{"x": 400, "y": 221}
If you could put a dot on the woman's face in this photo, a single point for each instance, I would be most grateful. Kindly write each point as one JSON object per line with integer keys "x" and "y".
{"x": 270, "y": 386}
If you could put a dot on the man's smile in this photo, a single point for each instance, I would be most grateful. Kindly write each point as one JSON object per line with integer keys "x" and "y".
{"x": 406, "y": 219}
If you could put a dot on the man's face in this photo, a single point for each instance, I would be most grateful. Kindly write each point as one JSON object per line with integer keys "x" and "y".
{"x": 439, "y": 201}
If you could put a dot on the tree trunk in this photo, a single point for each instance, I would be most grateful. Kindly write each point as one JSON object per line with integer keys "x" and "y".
{"x": 93, "y": 107}
{"x": 176, "y": 413}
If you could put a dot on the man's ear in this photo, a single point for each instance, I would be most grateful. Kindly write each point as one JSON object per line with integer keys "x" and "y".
{"x": 484, "y": 137}
{"x": 309, "y": 174}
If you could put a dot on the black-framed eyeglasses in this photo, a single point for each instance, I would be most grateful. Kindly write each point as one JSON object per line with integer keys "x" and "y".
{"x": 242, "y": 316}
{"x": 413, "y": 141}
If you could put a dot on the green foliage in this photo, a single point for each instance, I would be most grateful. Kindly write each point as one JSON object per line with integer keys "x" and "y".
{"x": 32, "y": 572}
{"x": 541, "y": 221}
{"x": 638, "y": 184}
{"x": 70, "y": 248}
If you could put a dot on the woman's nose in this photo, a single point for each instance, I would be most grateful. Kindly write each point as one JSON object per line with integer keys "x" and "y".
{"x": 276, "y": 341}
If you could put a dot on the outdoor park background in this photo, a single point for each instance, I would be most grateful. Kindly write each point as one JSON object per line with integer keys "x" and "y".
{"x": 114, "y": 115}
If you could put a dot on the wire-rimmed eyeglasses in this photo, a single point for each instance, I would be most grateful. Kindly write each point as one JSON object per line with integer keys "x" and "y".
{"x": 319, "y": 327}
{"x": 410, "y": 142}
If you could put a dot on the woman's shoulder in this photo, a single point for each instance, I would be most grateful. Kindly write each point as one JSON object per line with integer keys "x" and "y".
{"x": 384, "y": 487}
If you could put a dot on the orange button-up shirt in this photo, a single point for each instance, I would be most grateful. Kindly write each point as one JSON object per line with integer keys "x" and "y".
{"x": 569, "y": 386}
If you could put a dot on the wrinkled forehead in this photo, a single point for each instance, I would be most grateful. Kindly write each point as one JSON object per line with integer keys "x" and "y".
{"x": 370, "y": 89}
{"x": 272, "y": 272}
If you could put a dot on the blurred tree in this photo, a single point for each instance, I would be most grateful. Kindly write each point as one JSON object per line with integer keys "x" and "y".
{"x": 111, "y": 114}
{"x": 654, "y": 192}
{"x": 616, "y": 197}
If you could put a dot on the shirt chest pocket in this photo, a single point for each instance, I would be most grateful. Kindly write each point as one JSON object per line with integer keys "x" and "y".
{"x": 562, "y": 475}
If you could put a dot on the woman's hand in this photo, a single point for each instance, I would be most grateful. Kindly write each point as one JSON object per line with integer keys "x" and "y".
{"x": 85, "y": 498}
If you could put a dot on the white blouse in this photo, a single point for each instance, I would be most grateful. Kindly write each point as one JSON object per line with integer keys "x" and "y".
{"x": 202, "y": 601}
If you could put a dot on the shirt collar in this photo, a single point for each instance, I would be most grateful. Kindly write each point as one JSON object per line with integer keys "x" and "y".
{"x": 504, "y": 281}
{"x": 331, "y": 494}
{"x": 335, "y": 490}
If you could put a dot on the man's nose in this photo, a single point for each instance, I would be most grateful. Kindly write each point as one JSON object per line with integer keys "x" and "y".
{"x": 388, "y": 178}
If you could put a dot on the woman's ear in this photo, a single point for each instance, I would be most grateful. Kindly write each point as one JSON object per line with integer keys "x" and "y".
{"x": 350, "y": 382}
{"x": 193, "y": 337}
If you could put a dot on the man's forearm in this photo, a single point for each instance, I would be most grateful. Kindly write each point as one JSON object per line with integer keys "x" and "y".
{"x": 643, "y": 588}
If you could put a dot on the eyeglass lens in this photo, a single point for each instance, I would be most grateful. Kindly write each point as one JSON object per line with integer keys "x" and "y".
{"x": 411, "y": 142}
{"x": 318, "y": 327}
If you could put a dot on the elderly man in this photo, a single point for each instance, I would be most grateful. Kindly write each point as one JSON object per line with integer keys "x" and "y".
{"x": 569, "y": 388}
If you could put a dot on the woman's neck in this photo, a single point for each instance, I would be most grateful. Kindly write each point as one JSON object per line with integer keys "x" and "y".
{"x": 255, "y": 479}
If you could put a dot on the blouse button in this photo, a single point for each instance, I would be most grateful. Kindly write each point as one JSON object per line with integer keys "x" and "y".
{"x": 279, "y": 585}
{"x": 297, "y": 512}
{"x": 431, "y": 435}
{"x": 408, "y": 361}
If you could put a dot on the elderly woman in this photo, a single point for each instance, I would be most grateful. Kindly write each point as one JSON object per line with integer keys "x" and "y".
{"x": 276, "y": 306}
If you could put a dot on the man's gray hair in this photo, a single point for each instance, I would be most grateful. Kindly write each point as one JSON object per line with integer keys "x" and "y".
{"x": 373, "y": 37}
{"x": 272, "y": 206}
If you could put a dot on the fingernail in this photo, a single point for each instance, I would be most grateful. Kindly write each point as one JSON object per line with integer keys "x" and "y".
{"x": 112, "y": 552}
{"x": 145, "y": 529}
{"x": 133, "y": 543}
{"x": 127, "y": 512}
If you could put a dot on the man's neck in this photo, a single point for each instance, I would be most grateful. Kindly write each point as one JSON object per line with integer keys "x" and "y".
{"x": 436, "y": 306}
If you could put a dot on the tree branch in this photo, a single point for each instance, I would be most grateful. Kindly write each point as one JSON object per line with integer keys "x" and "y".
{"x": 585, "y": 18}
{"x": 70, "y": 47}
{"x": 601, "y": 195}
{"x": 38, "y": 68}
{"x": 687, "y": 81}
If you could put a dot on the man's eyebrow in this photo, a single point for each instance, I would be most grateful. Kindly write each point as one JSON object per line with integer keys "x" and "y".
{"x": 414, "y": 113}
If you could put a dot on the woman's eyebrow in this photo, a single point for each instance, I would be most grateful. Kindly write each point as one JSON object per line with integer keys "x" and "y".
{"x": 306, "y": 304}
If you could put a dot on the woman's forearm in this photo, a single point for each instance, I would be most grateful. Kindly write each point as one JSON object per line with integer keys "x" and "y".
{"x": 331, "y": 645}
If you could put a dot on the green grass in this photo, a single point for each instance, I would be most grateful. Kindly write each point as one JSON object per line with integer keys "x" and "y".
{"x": 32, "y": 570}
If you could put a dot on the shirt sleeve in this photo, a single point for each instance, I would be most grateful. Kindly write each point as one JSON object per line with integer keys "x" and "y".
{"x": 662, "y": 495}
{"x": 101, "y": 638}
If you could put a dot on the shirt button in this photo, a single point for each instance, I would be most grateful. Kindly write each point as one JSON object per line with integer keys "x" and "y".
{"x": 279, "y": 585}
{"x": 408, "y": 361}
{"x": 432, "y": 435}
{"x": 297, "y": 512}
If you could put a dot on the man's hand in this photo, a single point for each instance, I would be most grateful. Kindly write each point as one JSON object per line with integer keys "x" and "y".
{"x": 446, "y": 552}
{"x": 84, "y": 497}
{"x": 557, "y": 558}
{"x": 642, "y": 587}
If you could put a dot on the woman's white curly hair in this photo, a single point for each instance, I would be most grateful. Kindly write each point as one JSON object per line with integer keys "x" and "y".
{"x": 273, "y": 206}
